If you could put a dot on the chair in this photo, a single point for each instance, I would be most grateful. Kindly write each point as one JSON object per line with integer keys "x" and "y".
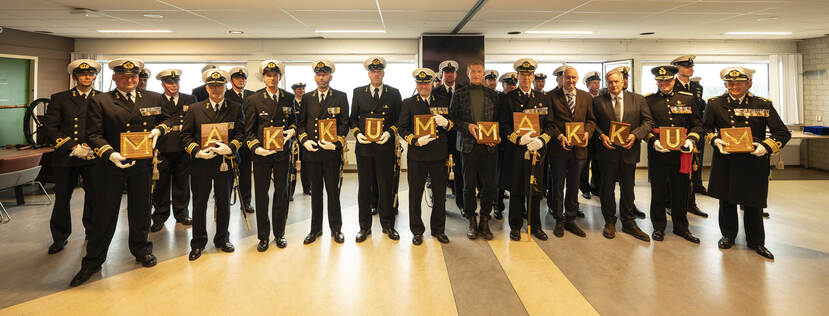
{"x": 15, "y": 178}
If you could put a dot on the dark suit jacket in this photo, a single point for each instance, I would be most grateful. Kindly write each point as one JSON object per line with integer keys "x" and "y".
{"x": 437, "y": 149}
{"x": 203, "y": 113}
{"x": 263, "y": 111}
{"x": 461, "y": 114}
{"x": 515, "y": 170}
{"x": 636, "y": 113}
{"x": 200, "y": 93}
{"x": 335, "y": 106}
{"x": 173, "y": 116}
{"x": 65, "y": 125}
{"x": 231, "y": 95}
{"x": 562, "y": 115}
{"x": 387, "y": 107}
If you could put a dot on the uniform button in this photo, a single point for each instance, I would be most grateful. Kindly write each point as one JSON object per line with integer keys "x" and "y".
{"x": 271, "y": 121}
{"x": 732, "y": 121}
{"x": 76, "y": 132}
{"x": 145, "y": 123}
{"x": 76, "y": 118}
{"x": 671, "y": 118}
{"x": 76, "y": 125}
{"x": 76, "y": 138}
{"x": 145, "y": 129}
{"x": 672, "y": 125}
{"x": 128, "y": 124}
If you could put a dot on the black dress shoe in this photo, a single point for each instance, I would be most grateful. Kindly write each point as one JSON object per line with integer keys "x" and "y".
{"x": 362, "y": 235}
{"x": 392, "y": 233}
{"x": 761, "y": 250}
{"x": 633, "y": 230}
{"x": 700, "y": 189}
{"x": 157, "y": 226}
{"x": 57, "y": 247}
{"x": 281, "y": 242}
{"x": 186, "y": 221}
{"x": 311, "y": 237}
{"x": 696, "y": 211}
{"x": 249, "y": 208}
{"x": 580, "y": 214}
{"x": 499, "y": 214}
{"x": 373, "y": 211}
{"x": 594, "y": 192}
{"x": 147, "y": 260}
{"x": 263, "y": 245}
{"x": 766, "y": 214}
{"x": 558, "y": 230}
{"x": 515, "y": 235}
{"x": 658, "y": 235}
{"x": 441, "y": 237}
{"x": 575, "y": 229}
{"x": 586, "y": 195}
{"x": 609, "y": 231}
{"x": 195, "y": 254}
{"x": 688, "y": 236}
{"x": 725, "y": 243}
{"x": 227, "y": 247}
{"x": 290, "y": 198}
{"x": 339, "y": 237}
{"x": 417, "y": 240}
{"x": 539, "y": 234}
{"x": 668, "y": 211}
{"x": 84, "y": 275}
{"x": 638, "y": 213}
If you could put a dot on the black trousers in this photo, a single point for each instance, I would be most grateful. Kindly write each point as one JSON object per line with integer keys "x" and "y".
{"x": 380, "y": 170}
{"x": 417, "y": 174}
{"x": 174, "y": 178}
{"x": 245, "y": 157}
{"x": 222, "y": 183}
{"x": 267, "y": 171}
{"x": 566, "y": 170}
{"x": 66, "y": 179}
{"x": 626, "y": 172}
{"x": 499, "y": 194}
{"x": 325, "y": 173}
{"x": 664, "y": 175}
{"x": 586, "y": 183}
{"x": 752, "y": 221}
{"x": 109, "y": 188}
{"x": 478, "y": 167}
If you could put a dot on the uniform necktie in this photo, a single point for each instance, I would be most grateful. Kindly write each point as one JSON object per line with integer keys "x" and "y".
{"x": 173, "y": 102}
{"x": 571, "y": 102}
{"x": 450, "y": 91}
{"x": 323, "y": 98}
{"x": 617, "y": 107}
{"x": 241, "y": 97}
{"x": 83, "y": 95}
{"x": 129, "y": 97}
{"x": 376, "y": 94}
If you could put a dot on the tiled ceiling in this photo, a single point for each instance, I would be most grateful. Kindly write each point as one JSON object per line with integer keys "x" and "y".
{"x": 617, "y": 19}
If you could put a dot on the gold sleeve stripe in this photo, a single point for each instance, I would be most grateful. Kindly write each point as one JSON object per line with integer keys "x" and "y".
{"x": 449, "y": 127}
{"x": 60, "y": 141}
{"x": 409, "y": 138}
{"x": 513, "y": 138}
{"x": 341, "y": 139}
{"x": 355, "y": 130}
{"x": 252, "y": 143}
{"x": 190, "y": 148}
{"x": 164, "y": 127}
{"x": 100, "y": 151}
{"x": 545, "y": 137}
{"x": 393, "y": 128}
{"x": 774, "y": 145}
{"x": 651, "y": 135}
{"x": 236, "y": 143}
{"x": 695, "y": 136}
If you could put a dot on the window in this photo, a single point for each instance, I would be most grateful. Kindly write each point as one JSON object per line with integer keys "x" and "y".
{"x": 348, "y": 76}
{"x": 712, "y": 84}
{"x": 190, "y": 77}
{"x": 547, "y": 69}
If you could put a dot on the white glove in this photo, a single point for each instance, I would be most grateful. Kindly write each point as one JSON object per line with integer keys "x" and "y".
{"x": 535, "y": 144}
{"x": 154, "y": 135}
{"x": 424, "y": 140}
{"x": 287, "y": 134}
{"x": 310, "y": 145}
{"x": 222, "y": 149}
{"x": 118, "y": 160}
{"x": 720, "y": 143}
{"x": 688, "y": 144}
{"x": 440, "y": 120}
{"x": 261, "y": 151}
{"x": 526, "y": 139}
{"x": 327, "y": 145}
{"x": 759, "y": 150}
{"x": 80, "y": 151}
{"x": 384, "y": 138}
{"x": 658, "y": 147}
{"x": 362, "y": 139}
{"x": 206, "y": 153}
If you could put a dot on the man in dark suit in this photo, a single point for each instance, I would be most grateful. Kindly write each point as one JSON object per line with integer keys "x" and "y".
{"x": 298, "y": 167}
{"x": 685, "y": 83}
{"x": 447, "y": 89}
{"x": 212, "y": 159}
{"x": 238, "y": 94}
{"x": 568, "y": 159}
{"x": 65, "y": 127}
{"x": 375, "y": 158}
{"x": 270, "y": 108}
{"x": 173, "y": 163}
{"x": 124, "y": 109}
{"x": 470, "y": 105}
{"x": 324, "y": 158}
{"x": 200, "y": 92}
{"x": 626, "y": 107}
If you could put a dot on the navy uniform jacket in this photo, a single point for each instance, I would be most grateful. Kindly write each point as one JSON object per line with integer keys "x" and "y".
{"x": 202, "y": 112}
{"x": 263, "y": 111}
{"x": 515, "y": 169}
{"x": 742, "y": 178}
{"x": 335, "y": 106}
{"x": 173, "y": 116}
{"x": 65, "y": 125}
{"x": 387, "y": 107}
{"x": 675, "y": 109}
{"x": 695, "y": 89}
{"x": 436, "y": 150}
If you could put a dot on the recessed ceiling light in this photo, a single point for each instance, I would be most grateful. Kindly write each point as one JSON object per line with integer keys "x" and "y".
{"x": 757, "y": 33}
{"x": 514, "y": 33}
{"x": 235, "y": 32}
{"x": 350, "y": 31}
{"x": 559, "y": 32}
{"x": 647, "y": 33}
{"x": 153, "y": 16}
{"x": 134, "y": 31}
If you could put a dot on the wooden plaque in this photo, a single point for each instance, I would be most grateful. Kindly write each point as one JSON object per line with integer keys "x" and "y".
{"x": 213, "y": 133}
{"x": 672, "y": 138}
{"x": 327, "y": 130}
{"x": 136, "y": 145}
{"x": 574, "y": 133}
{"x": 619, "y": 133}
{"x": 739, "y": 139}
{"x": 488, "y": 133}
{"x": 424, "y": 124}
{"x": 273, "y": 138}
{"x": 373, "y": 129}
{"x": 524, "y": 123}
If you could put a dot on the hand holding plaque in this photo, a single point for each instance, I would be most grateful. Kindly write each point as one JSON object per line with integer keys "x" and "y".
{"x": 274, "y": 138}
{"x": 575, "y": 134}
{"x": 213, "y": 133}
{"x": 327, "y": 130}
{"x": 374, "y": 129}
{"x": 424, "y": 125}
{"x": 136, "y": 145}
{"x": 738, "y": 139}
{"x": 488, "y": 133}
{"x": 672, "y": 138}
{"x": 619, "y": 133}
{"x": 526, "y": 123}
